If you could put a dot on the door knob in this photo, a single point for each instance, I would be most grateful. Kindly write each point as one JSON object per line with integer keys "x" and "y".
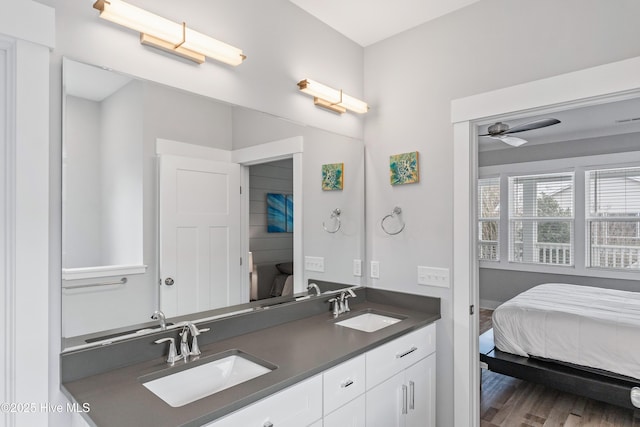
{"x": 168, "y": 281}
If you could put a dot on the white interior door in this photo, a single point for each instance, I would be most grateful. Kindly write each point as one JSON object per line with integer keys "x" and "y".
{"x": 199, "y": 234}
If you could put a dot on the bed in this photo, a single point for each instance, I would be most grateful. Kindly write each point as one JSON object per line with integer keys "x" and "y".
{"x": 272, "y": 279}
{"x": 580, "y": 339}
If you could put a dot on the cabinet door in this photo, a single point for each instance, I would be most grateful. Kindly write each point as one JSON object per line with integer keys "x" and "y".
{"x": 420, "y": 380}
{"x": 397, "y": 355}
{"x": 298, "y": 405}
{"x": 350, "y": 415}
{"x": 385, "y": 403}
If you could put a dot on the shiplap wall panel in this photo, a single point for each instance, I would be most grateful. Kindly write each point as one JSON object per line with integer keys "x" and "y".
{"x": 274, "y": 177}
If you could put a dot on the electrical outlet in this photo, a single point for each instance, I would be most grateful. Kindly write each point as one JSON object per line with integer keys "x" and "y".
{"x": 314, "y": 263}
{"x": 357, "y": 267}
{"x": 375, "y": 269}
{"x": 431, "y": 276}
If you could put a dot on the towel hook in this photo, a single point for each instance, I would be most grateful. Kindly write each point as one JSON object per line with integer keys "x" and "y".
{"x": 395, "y": 213}
{"x": 335, "y": 214}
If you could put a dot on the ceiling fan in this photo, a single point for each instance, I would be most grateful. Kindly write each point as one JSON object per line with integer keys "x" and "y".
{"x": 502, "y": 131}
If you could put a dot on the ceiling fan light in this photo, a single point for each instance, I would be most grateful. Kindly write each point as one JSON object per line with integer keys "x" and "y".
{"x": 512, "y": 140}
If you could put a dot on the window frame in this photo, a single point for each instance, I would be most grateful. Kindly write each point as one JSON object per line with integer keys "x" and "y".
{"x": 482, "y": 219}
{"x": 580, "y": 165}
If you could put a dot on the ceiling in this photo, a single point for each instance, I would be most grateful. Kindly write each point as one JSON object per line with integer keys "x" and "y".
{"x": 369, "y": 21}
{"x": 613, "y": 118}
{"x": 102, "y": 83}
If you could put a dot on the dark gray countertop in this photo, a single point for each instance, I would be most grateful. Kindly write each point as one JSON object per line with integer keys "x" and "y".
{"x": 299, "y": 348}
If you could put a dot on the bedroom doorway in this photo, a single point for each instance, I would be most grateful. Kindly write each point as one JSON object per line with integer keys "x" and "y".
{"x": 598, "y": 85}
{"x": 271, "y": 234}
{"x": 281, "y": 158}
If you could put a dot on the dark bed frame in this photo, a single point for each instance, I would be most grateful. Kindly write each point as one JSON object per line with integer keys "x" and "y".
{"x": 595, "y": 384}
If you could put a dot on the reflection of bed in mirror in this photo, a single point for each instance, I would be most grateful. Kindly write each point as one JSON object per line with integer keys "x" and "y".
{"x": 272, "y": 279}
{"x": 579, "y": 339}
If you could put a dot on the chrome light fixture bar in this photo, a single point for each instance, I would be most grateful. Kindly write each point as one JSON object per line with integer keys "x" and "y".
{"x": 332, "y": 99}
{"x": 167, "y": 35}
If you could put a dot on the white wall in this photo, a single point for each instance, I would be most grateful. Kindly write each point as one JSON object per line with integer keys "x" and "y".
{"x": 82, "y": 195}
{"x": 27, "y": 311}
{"x": 410, "y": 80}
{"x": 121, "y": 181}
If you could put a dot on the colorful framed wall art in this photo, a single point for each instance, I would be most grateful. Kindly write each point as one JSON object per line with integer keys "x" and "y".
{"x": 404, "y": 168}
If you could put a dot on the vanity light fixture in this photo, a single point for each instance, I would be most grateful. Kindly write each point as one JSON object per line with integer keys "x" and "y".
{"x": 167, "y": 35}
{"x": 332, "y": 99}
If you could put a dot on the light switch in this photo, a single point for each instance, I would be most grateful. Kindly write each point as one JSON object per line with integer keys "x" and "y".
{"x": 375, "y": 269}
{"x": 431, "y": 276}
{"x": 314, "y": 263}
{"x": 357, "y": 267}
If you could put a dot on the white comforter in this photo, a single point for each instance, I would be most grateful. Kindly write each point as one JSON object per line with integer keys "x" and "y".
{"x": 587, "y": 326}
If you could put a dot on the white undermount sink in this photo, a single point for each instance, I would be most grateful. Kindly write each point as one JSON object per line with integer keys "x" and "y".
{"x": 206, "y": 379}
{"x": 368, "y": 322}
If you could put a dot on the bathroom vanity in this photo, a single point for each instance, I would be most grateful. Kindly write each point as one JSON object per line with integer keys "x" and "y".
{"x": 377, "y": 368}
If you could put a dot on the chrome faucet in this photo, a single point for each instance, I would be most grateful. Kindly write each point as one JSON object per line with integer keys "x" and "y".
{"x": 315, "y": 287}
{"x": 344, "y": 297}
{"x": 340, "y": 303}
{"x": 190, "y": 328}
{"x": 173, "y": 355}
{"x": 159, "y": 315}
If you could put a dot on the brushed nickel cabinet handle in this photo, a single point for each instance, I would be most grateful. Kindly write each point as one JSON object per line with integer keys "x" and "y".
{"x": 347, "y": 383}
{"x": 411, "y": 350}
{"x": 404, "y": 399}
{"x": 412, "y": 395}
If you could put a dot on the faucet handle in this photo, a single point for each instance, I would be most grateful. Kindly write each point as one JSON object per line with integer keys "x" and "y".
{"x": 195, "y": 349}
{"x": 336, "y": 306}
{"x": 173, "y": 354}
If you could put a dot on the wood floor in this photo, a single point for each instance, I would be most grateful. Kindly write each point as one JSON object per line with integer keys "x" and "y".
{"x": 510, "y": 402}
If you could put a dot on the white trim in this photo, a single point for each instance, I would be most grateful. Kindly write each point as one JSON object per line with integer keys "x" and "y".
{"x": 605, "y": 83}
{"x": 175, "y": 148}
{"x": 590, "y": 86}
{"x": 268, "y": 152}
{"x": 38, "y": 25}
{"x": 7, "y": 204}
{"x": 101, "y": 271}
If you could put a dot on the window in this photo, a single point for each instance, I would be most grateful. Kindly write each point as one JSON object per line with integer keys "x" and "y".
{"x": 541, "y": 219}
{"x": 613, "y": 218}
{"x": 489, "y": 219}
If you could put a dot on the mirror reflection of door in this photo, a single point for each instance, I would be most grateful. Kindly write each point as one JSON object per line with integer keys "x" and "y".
{"x": 199, "y": 234}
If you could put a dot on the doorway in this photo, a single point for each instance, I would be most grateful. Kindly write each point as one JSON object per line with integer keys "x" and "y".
{"x": 606, "y": 83}
{"x": 271, "y": 233}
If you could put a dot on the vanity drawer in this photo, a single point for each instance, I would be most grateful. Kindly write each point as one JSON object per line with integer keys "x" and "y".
{"x": 296, "y": 406}
{"x": 390, "y": 358}
{"x": 352, "y": 414}
{"x": 344, "y": 383}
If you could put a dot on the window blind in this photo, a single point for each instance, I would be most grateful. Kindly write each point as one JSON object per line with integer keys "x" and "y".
{"x": 613, "y": 218}
{"x": 541, "y": 216}
{"x": 489, "y": 219}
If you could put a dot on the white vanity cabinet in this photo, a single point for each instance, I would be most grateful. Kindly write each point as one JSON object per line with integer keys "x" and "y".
{"x": 297, "y": 406}
{"x": 391, "y": 385}
{"x": 401, "y": 381}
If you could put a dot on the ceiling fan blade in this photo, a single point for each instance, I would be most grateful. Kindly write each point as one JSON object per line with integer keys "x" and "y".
{"x": 511, "y": 140}
{"x": 536, "y": 124}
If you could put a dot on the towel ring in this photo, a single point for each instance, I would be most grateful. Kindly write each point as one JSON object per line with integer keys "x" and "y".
{"x": 395, "y": 213}
{"x": 335, "y": 214}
